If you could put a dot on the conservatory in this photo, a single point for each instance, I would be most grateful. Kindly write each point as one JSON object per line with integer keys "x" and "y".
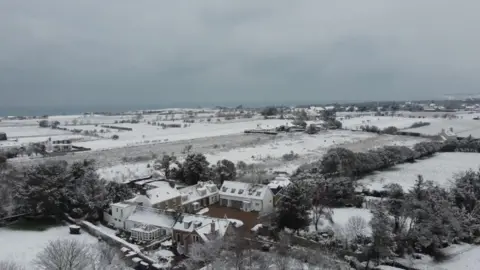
{"x": 146, "y": 233}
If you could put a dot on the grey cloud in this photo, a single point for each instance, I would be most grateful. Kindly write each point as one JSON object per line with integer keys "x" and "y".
{"x": 274, "y": 51}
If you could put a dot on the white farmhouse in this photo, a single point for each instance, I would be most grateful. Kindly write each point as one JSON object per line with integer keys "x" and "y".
{"x": 198, "y": 196}
{"x": 246, "y": 196}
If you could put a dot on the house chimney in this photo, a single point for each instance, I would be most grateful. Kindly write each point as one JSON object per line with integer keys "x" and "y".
{"x": 212, "y": 227}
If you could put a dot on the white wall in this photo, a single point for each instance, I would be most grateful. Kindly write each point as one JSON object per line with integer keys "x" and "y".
{"x": 120, "y": 214}
{"x": 267, "y": 202}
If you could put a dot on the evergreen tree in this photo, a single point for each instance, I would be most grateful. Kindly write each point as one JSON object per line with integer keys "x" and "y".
{"x": 195, "y": 168}
{"x": 43, "y": 193}
{"x": 225, "y": 171}
{"x": 293, "y": 207}
{"x": 382, "y": 236}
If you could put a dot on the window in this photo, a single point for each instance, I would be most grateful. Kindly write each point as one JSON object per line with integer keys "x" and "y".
{"x": 117, "y": 210}
{"x": 240, "y": 191}
{"x": 233, "y": 190}
{"x": 121, "y": 213}
{"x": 224, "y": 189}
{"x": 258, "y": 193}
{"x": 178, "y": 237}
{"x": 195, "y": 238}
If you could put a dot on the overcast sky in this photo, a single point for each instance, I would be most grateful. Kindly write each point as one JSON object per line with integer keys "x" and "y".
{"x": 215, "y": 51}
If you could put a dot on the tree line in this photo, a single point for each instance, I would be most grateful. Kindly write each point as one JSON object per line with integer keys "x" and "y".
{"x": 196, "y": 168}
{"x": 52, "y": 189}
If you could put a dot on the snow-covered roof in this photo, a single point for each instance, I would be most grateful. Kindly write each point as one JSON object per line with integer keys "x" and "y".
{"x": 201, "y": 224}
{"x": 121, "y": 205}
{"x": 279, "y": 182}
{"x": 163, "y": 192}
{"x": 205, "y": 232}
{"x": 163, "y": 220}
{"x": 243, "y": 190}
{"x": 199, "y": 191}
{"x": 173, "y": 166}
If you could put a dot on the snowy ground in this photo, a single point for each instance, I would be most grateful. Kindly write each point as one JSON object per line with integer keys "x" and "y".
{"x": 439, "y": 169}
{"x": 22, "y": 246}
{"x": 462, "y": 257}
{"x": 143, "y": 133}
{"x": 31, "y": 131}
{"x": 462, "y": 127}
{"x": 300, "y": 143}
{"x": 340, "y": 219}
{"x": 379, "y": 121}
{"x": 265, "y": 151}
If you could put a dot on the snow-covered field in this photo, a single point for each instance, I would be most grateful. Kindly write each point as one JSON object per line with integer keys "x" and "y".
{"x": 146, "y": 134}
{"x": 462, "y": 127}
{"x": 267, "y": 153}
{"x": 23, "y": 246}
{"x": 300, "y": 143}
{"x": 379, "y": 121}
{"x": 31, "y": 131}
{"x": 439, "y": 169}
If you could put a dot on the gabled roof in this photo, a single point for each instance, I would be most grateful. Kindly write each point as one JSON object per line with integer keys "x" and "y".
{"x": 162, "y": 191}
{"x": 279, "y": 182}
{"x": 243, "y": 190}
{"x": 199, "y": 191}
{"x": 200, "y": 224}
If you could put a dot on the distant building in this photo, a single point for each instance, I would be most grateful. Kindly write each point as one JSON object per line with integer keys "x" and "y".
{"x": 3, "y": 136}
{"x": 58, "y": 146}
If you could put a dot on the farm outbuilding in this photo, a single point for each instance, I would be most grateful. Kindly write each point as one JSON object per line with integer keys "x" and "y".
{"x": 3, "y": 136}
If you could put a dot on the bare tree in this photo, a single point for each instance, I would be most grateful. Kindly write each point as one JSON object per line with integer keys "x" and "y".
{"x": 105, "y": 257}
{"x": 355, "y": 227}
{"x": 10, "y": 265}
{"x": 64, "y": 255}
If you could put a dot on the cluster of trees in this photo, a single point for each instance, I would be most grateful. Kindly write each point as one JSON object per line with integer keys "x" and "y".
{"x": 428, "y": 217}
{"x": 375, "y": 129}
{"x": 344, "y": 162}
{"x": 419, "y": 124}
{"x": 53, "y": 189}
{"x": 465, "y": 145}
{"x": 424, "y": 219}
{"x": 30, "y": 149}
{"x": 309, "y": 200}
{"x": 269, "y": 111}
{"x": 196, "y": 168}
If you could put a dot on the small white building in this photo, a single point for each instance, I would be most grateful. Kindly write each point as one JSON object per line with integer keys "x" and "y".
{"x": 58, "y": 145}
{"x": 198, "y": 196}
{"x": 279, "y": 182}
{"x": 246, "y": 196}
{"x": 119, "y": 214}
